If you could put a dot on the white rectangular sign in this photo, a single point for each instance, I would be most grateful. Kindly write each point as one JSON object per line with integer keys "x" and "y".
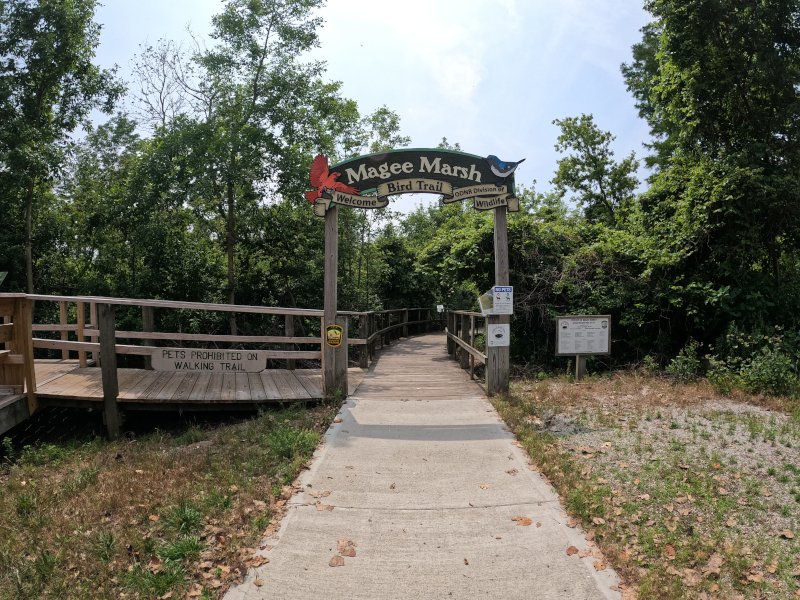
{"x": 498, "y": 334}
{"x": 583, "y": 334}
{"x": 202, "y": 359}
{"x": 503, "y": 300}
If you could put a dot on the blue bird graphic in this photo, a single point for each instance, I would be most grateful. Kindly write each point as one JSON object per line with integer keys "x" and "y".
{"x": 502, "y": 168}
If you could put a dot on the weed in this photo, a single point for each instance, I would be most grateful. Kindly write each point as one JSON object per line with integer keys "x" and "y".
{"x": 287, "y": 442}
{"x": 104, "y": 545}
{"x": 26, "y": 505}
{"x": 184, "y": 518}
{"x": 187, "y": 547}
{"x": 154, "y": 584}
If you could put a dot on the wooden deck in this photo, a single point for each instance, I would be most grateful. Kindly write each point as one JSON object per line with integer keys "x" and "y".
{"x": 65, "y": 383}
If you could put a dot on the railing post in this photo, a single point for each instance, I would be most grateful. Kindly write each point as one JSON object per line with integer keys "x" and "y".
{"x": 363, "y": 326}
{"x": 80, "y": 317}
{"x": 63, "y": 322}
{"x": 449, "y": 330}
{"x": 93, "y": 325}
{"x": 405, "y": 323}
{"x": 108, "y": 370}
{"x": 465, "y": 338}
{"x": 342, "y": 356}
{"x": 472, "y": 343}
{"x": 148, "y": 325}
{"x": 289, "y": 331}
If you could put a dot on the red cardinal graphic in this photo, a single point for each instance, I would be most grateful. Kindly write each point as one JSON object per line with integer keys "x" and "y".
{"x": 321, "y": 179}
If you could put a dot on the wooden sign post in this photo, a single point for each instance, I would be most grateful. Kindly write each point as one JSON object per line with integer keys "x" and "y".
{"x": 498, "y": 357}
{"x": 368, "y": 182}
{"x": 334, "y": 357}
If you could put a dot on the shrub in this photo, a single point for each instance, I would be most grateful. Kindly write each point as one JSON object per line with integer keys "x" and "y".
{"x": 686, "y": 367}
{"x": 770, "y": 372}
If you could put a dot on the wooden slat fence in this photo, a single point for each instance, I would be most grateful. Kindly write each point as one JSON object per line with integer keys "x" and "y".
{"x": 466, "y": 339}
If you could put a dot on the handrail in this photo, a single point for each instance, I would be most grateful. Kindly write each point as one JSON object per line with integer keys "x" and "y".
{"x": 207, "y": 306}
{"x": 462, "y": 331}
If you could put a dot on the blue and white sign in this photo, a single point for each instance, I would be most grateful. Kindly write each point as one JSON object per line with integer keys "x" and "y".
{"x": 503, "y": 300}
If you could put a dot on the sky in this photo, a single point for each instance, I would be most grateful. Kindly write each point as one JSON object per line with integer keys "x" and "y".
{"x": 491, "y": 75}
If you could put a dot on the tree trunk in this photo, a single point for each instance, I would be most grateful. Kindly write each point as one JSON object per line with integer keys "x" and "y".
{"x": 29, "y": 234}
{"x": 230, "y": 247}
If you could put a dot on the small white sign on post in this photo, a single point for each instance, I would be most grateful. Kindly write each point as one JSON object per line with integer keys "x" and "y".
{"x": 503, "y": 300}
{"x": 212, "y": 361}
{"x": 440, "y": 308}
{"x": 583, "y": 334}
{"x": 498, "y": 334}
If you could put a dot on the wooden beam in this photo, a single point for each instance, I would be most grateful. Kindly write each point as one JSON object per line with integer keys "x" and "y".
{"x": 498, "y": 357}
{"x": 289, "y": 331}
{"x": 108, "y": 362}
{"x": 148, "y": 326}
{"x": 62, "y": 319}
{"x": 332, "y": 384}
{"x": 363, "y": 357}
{"x": 80, "y": 309}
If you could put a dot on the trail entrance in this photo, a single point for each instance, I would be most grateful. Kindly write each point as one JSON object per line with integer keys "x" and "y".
{"x": 368, "y": 182}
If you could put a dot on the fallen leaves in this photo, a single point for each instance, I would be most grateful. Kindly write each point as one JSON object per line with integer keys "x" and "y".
{"x": 346, "y": 547}
{"x": 714, "y": 565}
{"x": 523, "y": 521}
{"x": 572, "y": 550}
{"x": 336, "y": 561}
{"x": 786, "y": 534}
{"x": 323, "y": 507}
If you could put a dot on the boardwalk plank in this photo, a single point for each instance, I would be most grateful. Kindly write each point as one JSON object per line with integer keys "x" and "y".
{"x": 201, "y": 384}
{"x": 268, "y": 381}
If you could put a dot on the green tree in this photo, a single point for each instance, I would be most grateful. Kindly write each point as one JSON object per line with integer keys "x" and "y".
{"x": 48, "y": 87}
{"x": 601, "y": 186}
{"x": 719, "y": 83}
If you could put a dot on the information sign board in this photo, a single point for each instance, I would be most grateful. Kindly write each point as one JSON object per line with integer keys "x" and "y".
{"x": 583, "y": 334}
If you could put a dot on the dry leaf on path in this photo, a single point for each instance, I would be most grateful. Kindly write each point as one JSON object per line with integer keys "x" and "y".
{"x": 669, "y": 551}
{"x": 787, "y": 534}
{"x": 258, "y": 582}
{"x": 336, "y": 561}
{"x": 572, "y": 550}
{"x": 321, "y": 507}
{"x": 346, "y": 547}
{"x": 485, "y": 486}
{"x": 599, "y": 565}
{"x": 524, "y": 521}
{"x": 257, "y": 561}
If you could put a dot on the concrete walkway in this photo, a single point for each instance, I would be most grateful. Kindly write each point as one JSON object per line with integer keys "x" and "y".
{"x": 424, "y": 479}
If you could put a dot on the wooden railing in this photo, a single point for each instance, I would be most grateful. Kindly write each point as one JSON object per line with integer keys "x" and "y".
{"x": 465, "y": 332}
{"x": 97, "y": 340}
{"x": 16, "y": 351}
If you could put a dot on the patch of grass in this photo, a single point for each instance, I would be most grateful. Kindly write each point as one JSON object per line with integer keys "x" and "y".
{"x": 152, "y": 584}
{"x": 132, "y": 518}
{"x": 184, "y": 518}
{"x": 184, "y": 548}
{"x": 287, "y": 441}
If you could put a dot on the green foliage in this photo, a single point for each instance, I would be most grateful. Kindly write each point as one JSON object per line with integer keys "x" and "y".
{"x": 184, "y": 517}
{"x": 759, "y": 362}
{"x": 288, "y": 442}
{"x": 686, "y": 366}
{"x": 184, "y": 548}
{"x": 154, "y": 584}
{"x": 601, "y": 185}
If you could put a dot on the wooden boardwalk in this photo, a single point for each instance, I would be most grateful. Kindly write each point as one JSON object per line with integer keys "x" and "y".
{"x": 65, "y": 383}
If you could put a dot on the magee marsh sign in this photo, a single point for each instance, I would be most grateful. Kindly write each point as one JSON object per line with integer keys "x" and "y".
{"x": 368, "y": 181}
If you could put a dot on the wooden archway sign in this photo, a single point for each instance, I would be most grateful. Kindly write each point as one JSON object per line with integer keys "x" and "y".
{"x": 368, "y": 182}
